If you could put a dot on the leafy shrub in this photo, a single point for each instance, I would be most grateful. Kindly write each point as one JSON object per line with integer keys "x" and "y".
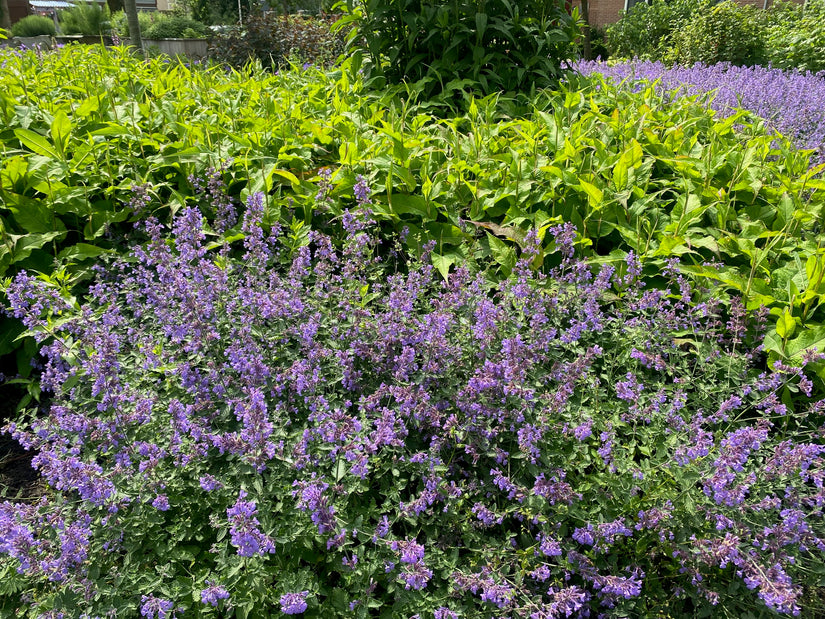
{"x": 294, "y": 430}
{"x": 492, "y": 46}
{"x": 176, "y": 27}
{"x": 640, "y": 171}
{"x": 643, "y": 31}
{"x": 146, "y": 19}
{"x": 796, "y": 36}
{"x": 793, "y": 103}
{"x": 275, "y": 39}
{"x": 726, "y": 32}
{"x": 33, "y": 26}
{"x": 86, "y": 18}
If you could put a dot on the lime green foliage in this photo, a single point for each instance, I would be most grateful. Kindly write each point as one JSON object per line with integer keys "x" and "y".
{"x": 490, "y": 46}
{"x": 33, "y": 26}
{"x": 726, "y": 32}
{"x": 633, "y": 171}
{"x": 86, "y": 18}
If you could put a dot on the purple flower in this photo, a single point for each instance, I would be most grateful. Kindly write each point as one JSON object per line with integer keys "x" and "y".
{"x": 243, "y": 527}
{"x": 415, "y": 576}
{"x": 213, "y": 594}
{"x": 294, "y": 603}
{"x": 361, "y": 190}
{"x": 153, "y": 607}
{"x": 161, "y": 503}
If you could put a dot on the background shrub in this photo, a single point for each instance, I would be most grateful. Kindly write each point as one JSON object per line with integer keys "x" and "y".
{"x": 33, "y": 26}
{"x": 795, "y": 36}
{"x": 644, "y": 30}
{"x": 492, "y": 46}
{"x": 146, "y": 19}
{"x": 274, "y": 40}
{"x": 86, "y": 18}
{"x": 725, "y": 32}
{"x": 176, "y": 27}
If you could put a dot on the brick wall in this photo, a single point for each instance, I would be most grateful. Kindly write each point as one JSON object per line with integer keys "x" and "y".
{"x": 604, "y": 12}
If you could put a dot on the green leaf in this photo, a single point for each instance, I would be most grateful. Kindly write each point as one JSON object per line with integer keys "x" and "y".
{"x": 786, "y": 324}
{"x": 36, "y": 143}
{"x": 594, "y": 194}
{"x": 443, "y": 263}
{"x": 503, "y": 253}
{"x": 809, "y": 339}
{"x": 405, "y": 204}
{"x": 61, "y": 129}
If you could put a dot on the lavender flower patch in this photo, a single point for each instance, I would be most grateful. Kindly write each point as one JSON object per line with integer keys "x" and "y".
{"x": 306, "y": 429}
{"x": 793, "y": 103}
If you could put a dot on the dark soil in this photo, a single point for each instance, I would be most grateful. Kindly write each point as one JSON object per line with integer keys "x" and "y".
{"x": 18, "y": 480}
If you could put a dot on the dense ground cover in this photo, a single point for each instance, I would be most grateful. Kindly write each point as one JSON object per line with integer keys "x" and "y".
{"x": 792, "y": 102}
{"x": 611, "y": 440}
{"x": 316, "y": 430}
{"x": 87, "y": 133}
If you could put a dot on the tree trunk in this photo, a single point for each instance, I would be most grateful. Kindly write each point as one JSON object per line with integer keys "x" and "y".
{"x": 130, "y": 8}
{"x": 5, "y": 15}
{"x": 587, "y": 52}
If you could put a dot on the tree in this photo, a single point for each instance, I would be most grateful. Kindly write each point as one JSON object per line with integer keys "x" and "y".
{"x": 130, "y": 8}
{"x": 5, "y": 15}
{"x": 586, "y": 49}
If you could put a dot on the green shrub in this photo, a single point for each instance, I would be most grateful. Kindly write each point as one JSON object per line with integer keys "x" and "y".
{"x": 120, "y": 24}
{"x": 176, "y": 27}
{"x": 86, "y": 18}
{"x": 493, "y": 46}
{"x": 275, "y": 39}
{"x": 642, "y": 32}
{"x": 33, "y": 26}
{"x": 727, "y": 32}
{"x": 796, "y": 36}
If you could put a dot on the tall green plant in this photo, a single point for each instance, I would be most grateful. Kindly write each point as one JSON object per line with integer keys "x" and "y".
{"x": 86, "y": 18}
{"x": 489, "y": 45}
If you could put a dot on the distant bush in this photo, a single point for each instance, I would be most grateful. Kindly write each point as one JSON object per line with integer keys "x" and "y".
{"x": 727, "y": 32}
{"x": 120, "y": 24}
{"x": 796, "y": 36}
{"x": 161, "y": 26}
{"x": 33, "y": 26}
{"x": 176, "y": 27}
{"x": 643, "y": 31}
{"x": 86, "y": 18}
{"x": 275, "y": 39}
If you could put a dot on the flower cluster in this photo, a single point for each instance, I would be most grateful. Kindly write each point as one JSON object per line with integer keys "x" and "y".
{"x": 282, "y": 424}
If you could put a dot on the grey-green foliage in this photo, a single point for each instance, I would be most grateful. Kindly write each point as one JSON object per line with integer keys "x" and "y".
{"x": 86, "y": 18}
{"x": 486, "y": 45}
{"x": 33, "y": 26}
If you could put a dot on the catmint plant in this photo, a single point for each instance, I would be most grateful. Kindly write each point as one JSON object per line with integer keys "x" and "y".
{"x": 303, "y": 429}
